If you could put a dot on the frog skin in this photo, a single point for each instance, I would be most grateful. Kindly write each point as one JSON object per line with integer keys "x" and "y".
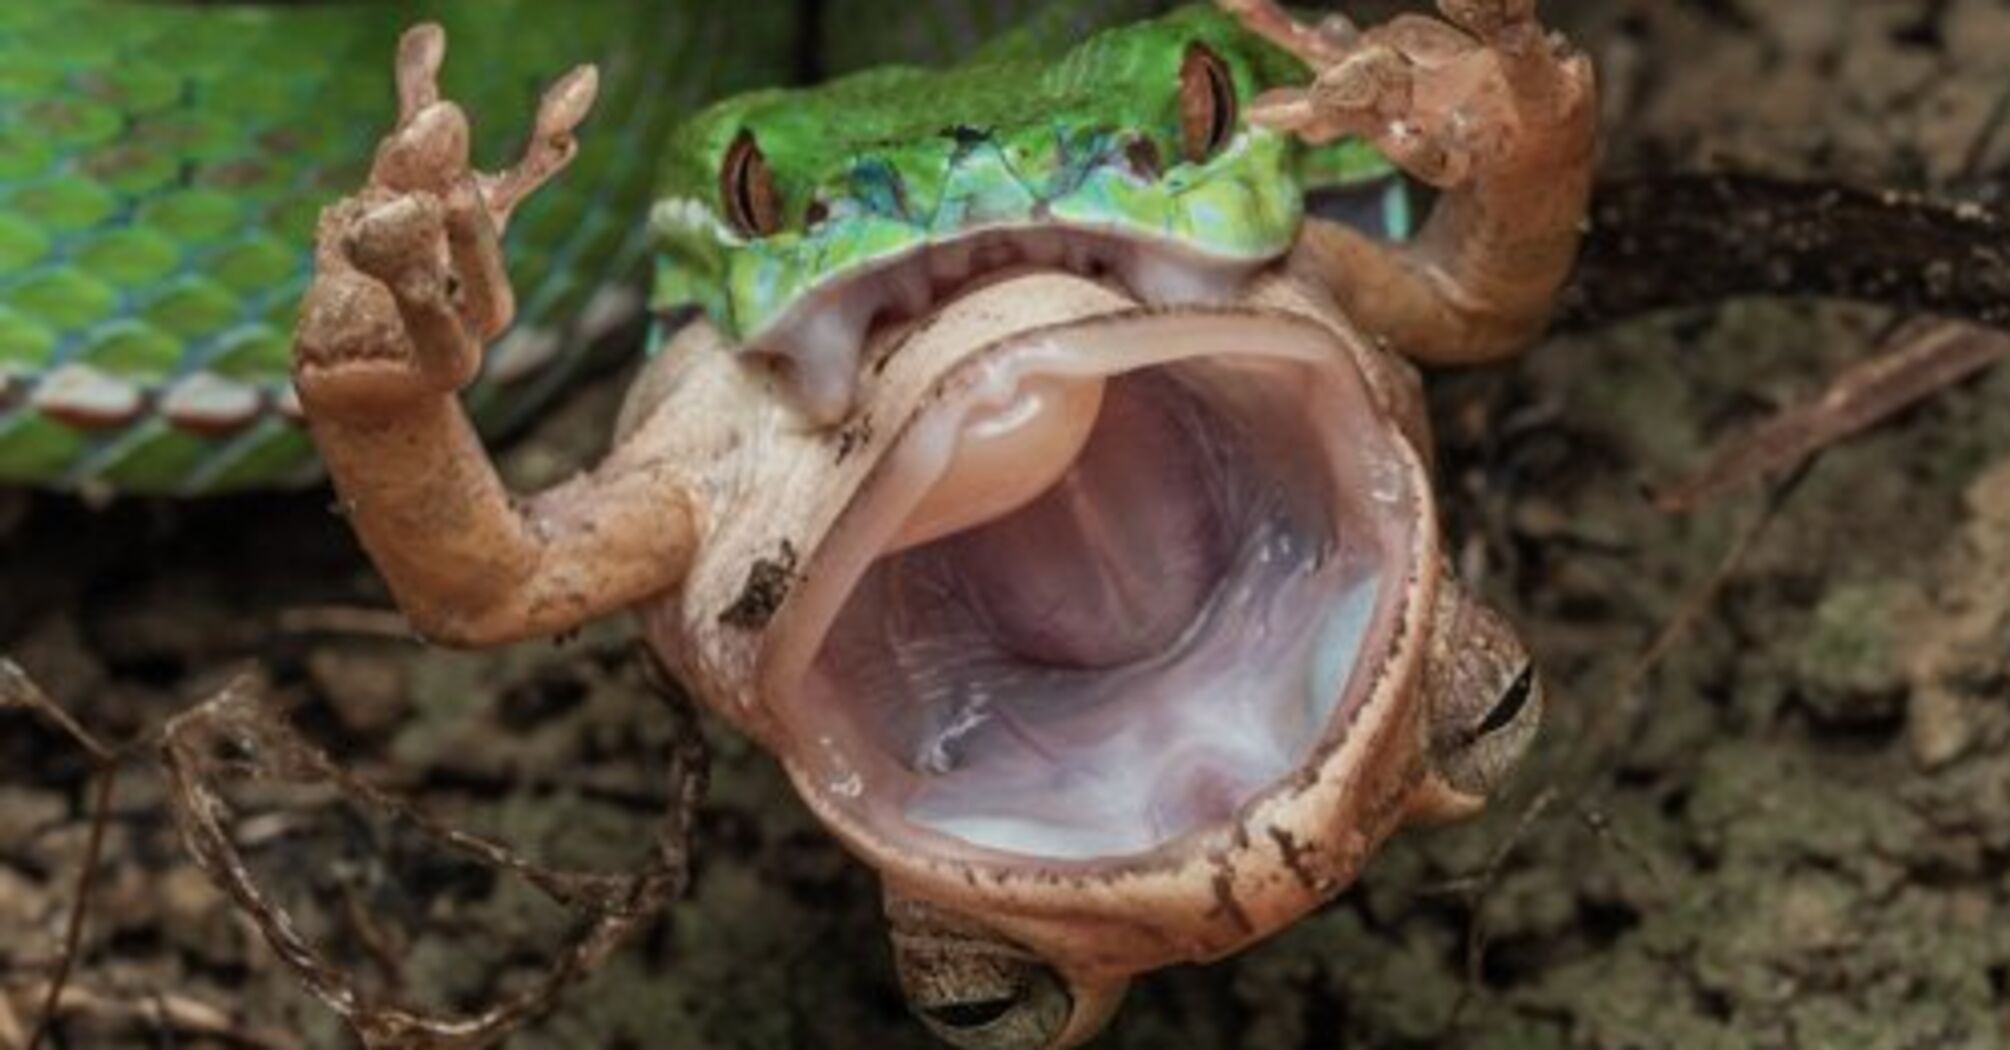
{"x": 1091, "y": 590}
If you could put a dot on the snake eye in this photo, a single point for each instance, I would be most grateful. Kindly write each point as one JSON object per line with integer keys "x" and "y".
{"x": 748, "y": 188}
{"x": 1207, "y": 110}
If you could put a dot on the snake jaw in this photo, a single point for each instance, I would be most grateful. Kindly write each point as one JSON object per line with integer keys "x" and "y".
{"x": 816, "y": 344}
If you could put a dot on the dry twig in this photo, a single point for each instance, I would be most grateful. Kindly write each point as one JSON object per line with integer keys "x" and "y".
{"x": 1921, "y": 359}
{"x": 18, "y": 691}
{"x": 235, "y": 736}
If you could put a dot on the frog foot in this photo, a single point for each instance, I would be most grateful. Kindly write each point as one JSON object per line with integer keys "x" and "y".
{"x": 1485, "y": 91}
{"x": 409, "y": 274}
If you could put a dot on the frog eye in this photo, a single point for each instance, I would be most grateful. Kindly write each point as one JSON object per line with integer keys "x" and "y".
{"x": 1030, "y": 1013}
{"x": 992, "y": 1003}
{"x": 1478, "y": 756}
{"x": 1207, "y": 104}
{"x": 748, "y": 188}
{"x": 1512, "y": 702}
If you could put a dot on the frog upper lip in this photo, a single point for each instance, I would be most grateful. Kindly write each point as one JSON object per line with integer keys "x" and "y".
{"x": 818, "y": 340}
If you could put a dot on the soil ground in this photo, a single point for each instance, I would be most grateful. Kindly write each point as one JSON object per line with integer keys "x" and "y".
{"x": 1770, "y": 809}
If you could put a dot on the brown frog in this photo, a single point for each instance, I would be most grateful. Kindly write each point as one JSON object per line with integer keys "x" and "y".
{"x": 1085, "y": 579}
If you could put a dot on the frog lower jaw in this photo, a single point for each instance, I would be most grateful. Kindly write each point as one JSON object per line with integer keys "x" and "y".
{"x": 817, "y": 342}
{"x": 1134, "y": 652}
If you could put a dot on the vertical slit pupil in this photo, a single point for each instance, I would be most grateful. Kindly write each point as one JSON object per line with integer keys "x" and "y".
{"x": 1224, "y": 105}
{"x": 1207, "y": 104}
{"x": 749, "y": 189}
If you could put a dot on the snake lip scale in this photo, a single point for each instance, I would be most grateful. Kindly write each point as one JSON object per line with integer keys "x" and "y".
{"x": 820, "y": 336}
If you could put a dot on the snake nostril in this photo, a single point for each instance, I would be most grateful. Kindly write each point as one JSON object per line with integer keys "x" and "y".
{"x": 967, "y": 136}
{"x": 1143, "y": 156}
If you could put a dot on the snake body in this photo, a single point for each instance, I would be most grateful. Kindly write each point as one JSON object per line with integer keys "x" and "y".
{"x": 162, "y": 166}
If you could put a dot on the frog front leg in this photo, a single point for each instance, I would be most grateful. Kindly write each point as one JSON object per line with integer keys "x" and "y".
{"x": 1492, "y": 110}
{"x": 409, "y": 285}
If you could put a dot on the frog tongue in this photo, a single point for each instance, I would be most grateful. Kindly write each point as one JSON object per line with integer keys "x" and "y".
{"x": 1009, "y": 451}
{"x": 1110, "y": 561}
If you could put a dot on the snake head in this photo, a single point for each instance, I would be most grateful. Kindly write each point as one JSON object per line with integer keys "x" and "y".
{"x": 797, "y": 220}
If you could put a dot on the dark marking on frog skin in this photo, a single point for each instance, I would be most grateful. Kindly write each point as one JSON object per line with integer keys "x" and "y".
{"x": 768, "y": 583}
{"x": 1294, "y": 857}
{"x": 854, "y": 435}
{"x": 885, "y": 357}
{"x": 1225, "y": 902}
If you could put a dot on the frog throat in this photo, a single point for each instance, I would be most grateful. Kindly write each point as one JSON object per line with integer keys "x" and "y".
{"x": 896, "y": 189}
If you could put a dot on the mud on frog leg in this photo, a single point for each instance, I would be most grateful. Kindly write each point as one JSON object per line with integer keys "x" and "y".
{"x": 1488, "y": 107}
{"x": 409, "y": 284}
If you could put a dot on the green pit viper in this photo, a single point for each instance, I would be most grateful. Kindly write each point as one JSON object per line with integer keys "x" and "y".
{"x": 162, "y": 165}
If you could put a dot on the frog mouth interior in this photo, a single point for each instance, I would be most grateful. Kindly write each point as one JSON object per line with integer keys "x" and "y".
{"x": 1132, "y": 653}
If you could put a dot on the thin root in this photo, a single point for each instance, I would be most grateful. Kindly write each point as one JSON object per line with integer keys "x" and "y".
{"x": 1921, "y": 360}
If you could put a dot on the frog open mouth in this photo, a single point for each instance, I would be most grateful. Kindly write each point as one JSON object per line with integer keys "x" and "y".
{"x": 1116, "y": 581}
